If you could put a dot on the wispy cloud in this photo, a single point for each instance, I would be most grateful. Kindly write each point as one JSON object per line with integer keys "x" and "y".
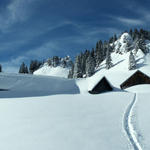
{"x": 140, "y": 10}
{"x": 13, "y": 64}
{"x": 16, "y": 11}
{"x": 110, "y": 31}
{"x": 129, "y": 21}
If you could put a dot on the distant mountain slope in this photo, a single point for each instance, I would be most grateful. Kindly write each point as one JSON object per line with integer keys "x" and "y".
{"x": 55, "y": 66}
{"x": 52, "y": 71}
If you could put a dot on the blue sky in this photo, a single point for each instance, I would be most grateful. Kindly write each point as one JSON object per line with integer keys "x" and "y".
{"x": 38, "y": 29}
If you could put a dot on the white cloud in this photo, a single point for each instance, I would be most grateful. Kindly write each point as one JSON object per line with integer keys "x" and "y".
{"x": 104, "y": 30}
{"x": 128, "y": 21}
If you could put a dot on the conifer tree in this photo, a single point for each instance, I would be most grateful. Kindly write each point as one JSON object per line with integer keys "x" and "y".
{"x": 115, "y": 38}
{"x": 34, "y": 65}
{"x": 77, "y": 73}
{"x": 23, "y": 68}
{"x": 49, "y": 62}
{"x": 90, "y": 66}
{"x": 108, "y": 58}
{"x": 99, "y": 53}
{"x": 55, "y": 61}
{"x": 71, "y": 72}
{"x": 132, "y": 62}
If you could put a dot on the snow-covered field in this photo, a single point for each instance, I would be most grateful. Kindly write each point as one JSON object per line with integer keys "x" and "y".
{"x": 63, "y": 122}
{"x": 142, "y": 123}
{"x": 39, "y": 112}
{"x": 29, "y": 85}
{"x": 52, "y": 113}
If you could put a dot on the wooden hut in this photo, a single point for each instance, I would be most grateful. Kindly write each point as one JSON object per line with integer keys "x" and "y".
{"x": 102, "y": 86}
{"x": 137, "y": 78}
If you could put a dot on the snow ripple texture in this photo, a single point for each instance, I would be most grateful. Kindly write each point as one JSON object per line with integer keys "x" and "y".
{"x": 128, "y": 126}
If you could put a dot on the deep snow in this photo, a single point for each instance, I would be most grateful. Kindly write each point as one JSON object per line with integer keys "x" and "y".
{"x": 63, "y": 122}
{"x": 143, "y": 119}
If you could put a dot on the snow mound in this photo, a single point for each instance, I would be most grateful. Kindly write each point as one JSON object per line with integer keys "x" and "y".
{"x": 52, "y": 71}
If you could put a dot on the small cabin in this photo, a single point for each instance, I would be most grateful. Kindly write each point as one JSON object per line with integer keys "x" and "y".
{"x": 102, "y": 86}
{"x": 137, "y": 78}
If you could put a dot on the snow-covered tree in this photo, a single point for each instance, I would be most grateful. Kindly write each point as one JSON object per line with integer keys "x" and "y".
{"x": 118, "y": 45}
{"x": 55, "y": 61}
{"x": 77, "y": 68}
{"x": 132, "y": 62}
{"x": 63, "y": 63}
{"x": 69, "y": 62}
{"x": 71, "y": 72}
{"x": 136, "y": 46}
{"x": 99, "y": 53}
{"x": 90, "y": 66}
{"x": 108, "y": 58}
{"x": 49, "y": 61}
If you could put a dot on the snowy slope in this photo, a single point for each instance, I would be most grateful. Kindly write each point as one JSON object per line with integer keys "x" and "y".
{"x": 55, "y": 66}
{"x": 119, "y": 72}
{"x": 63, "y": 122}
{"x": 52, "y": 71}
{"x": 30, "y": 85}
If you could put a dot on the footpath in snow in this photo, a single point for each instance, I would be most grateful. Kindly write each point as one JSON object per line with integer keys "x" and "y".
{"x": 128, "y": 126}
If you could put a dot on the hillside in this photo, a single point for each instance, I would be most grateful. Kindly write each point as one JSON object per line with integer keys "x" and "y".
{"x": 52, "y": 71}
{"x": 119, "y": 71}
{"x": 88, "y": 63}
{"x": 55, "y": 66}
